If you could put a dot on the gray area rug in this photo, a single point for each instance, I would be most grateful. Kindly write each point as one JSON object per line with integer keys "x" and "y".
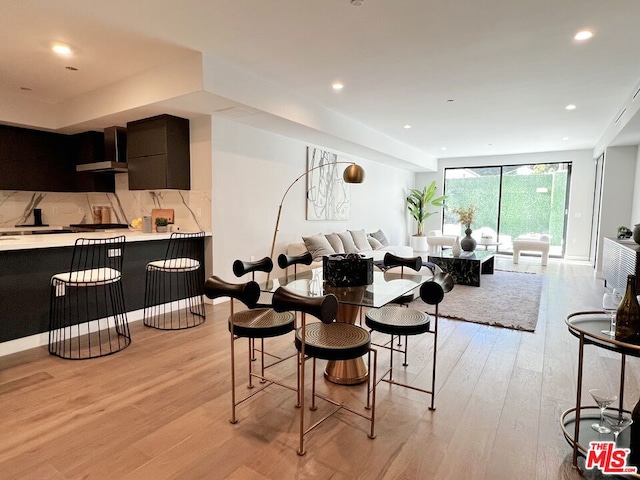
{"x": 504, "y": 299}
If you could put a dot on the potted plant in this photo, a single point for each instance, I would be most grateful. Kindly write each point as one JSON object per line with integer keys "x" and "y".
{"x": 418, "y": 203}
{"x": 161, "y": 224}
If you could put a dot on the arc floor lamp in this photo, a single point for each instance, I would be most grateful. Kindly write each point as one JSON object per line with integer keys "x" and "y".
{"x": 354, "y": 173}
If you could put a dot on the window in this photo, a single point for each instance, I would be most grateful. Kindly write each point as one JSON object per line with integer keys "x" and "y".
{"x": 510, "y": 201}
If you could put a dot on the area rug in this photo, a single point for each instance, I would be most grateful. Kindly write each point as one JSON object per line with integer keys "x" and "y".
{"x": 504, "y": 299}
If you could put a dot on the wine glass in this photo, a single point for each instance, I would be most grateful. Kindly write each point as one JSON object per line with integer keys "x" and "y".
{"x": 603, "y": 399}
{"x": 617, "y": 423}
{"x": 610, "y": 302}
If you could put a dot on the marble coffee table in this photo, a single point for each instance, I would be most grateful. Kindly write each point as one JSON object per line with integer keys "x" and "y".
{"x": 466, "y": 268}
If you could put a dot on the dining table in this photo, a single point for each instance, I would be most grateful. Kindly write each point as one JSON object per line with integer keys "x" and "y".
{"x": 386, "y": 286}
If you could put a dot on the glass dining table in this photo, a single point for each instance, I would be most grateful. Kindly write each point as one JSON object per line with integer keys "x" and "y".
{"x": 386, "y": 287}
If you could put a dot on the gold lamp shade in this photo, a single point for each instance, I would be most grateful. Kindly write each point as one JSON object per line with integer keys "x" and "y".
{"x": 353, "y": 174}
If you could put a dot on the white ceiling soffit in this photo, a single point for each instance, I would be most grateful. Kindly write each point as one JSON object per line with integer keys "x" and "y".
{"x": 509, "y": 67}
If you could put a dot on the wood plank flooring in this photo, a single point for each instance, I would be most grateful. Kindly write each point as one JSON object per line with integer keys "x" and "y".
{"x": 160, "y": 409}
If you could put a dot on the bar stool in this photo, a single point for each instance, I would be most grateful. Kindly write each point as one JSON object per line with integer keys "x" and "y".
{"x": 253, "y": 323}
{"x": 327, "y": 340}
{"x": 174, "y": 286}
{"x": 87, "y": 314}
{"x": 285, "y": 261}
{"x": 409, "y": 321}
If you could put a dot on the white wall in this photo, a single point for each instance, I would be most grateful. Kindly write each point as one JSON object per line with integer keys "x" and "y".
{"x": 580, "y": 196}
{"x": 251, "y": 169}
{"x": 635, "y": 210}
{"x": 617, "y": 193}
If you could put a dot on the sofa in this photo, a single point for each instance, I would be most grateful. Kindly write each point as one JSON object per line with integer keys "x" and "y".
{"x": 373, "y": 244}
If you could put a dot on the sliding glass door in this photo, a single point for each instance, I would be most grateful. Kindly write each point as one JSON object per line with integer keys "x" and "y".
{"x": 510, "y": 201}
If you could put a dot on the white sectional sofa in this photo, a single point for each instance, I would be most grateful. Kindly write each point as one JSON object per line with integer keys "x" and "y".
{"x": 373, "y": 244}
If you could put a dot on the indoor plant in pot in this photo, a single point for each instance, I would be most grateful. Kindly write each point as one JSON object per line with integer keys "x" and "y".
{"x": 467, "y": 215}
{"x": 161, "y": 224}
{"x": 418, "y": 203}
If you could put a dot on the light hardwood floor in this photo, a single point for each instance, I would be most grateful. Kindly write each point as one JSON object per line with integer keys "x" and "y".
{"x": 160, "y": 409}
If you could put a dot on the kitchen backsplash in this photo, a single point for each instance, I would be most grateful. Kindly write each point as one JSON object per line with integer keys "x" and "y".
{"x": 192, "y": 208}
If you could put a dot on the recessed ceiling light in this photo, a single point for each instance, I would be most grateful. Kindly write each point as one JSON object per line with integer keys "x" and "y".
{"x": 571, "y": 106}
{"x": 565, "y": 138}
{"x": 61, "y": 49}
{"x": 337, "y": 85}
{"x": 407, "y": 127}
{"x": 583, "y": 35}
{"x": 443, "y": 148}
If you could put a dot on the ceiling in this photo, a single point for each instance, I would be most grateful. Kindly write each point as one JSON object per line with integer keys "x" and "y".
{"x": 471, "y": 78}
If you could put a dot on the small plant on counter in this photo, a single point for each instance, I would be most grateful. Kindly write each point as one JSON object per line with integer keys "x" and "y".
{"x": 161, "y": 222}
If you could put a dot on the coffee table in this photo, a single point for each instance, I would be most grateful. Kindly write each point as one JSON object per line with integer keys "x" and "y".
{"x": 466, "y": 268}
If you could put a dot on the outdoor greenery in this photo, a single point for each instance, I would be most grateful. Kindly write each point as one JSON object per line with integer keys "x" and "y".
{"x": 419, "y": 202}
{"x": 526, "y": 205}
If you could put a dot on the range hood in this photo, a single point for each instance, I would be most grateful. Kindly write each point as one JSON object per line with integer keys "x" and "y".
{"x": 115, "y": 153}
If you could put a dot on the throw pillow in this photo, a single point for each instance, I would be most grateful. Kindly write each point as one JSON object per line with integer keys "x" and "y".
{"x": 360, "y": 239}
{"x": 347, "y": 241}
{"x": 318, "y": 246}
{"x": 381, "y": 237}
{"x": 375, "y": 244}
{"x": 336, "y": 243}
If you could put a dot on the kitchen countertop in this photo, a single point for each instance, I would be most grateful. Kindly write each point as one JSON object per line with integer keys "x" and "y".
{"x": 55, "y": 240}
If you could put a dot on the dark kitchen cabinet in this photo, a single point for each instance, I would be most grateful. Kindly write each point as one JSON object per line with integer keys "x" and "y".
{"x": 33, "y": 160}
{"x": 158, "y": 153}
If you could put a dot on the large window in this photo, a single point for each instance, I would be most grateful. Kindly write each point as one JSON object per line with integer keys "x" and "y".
{"x": 510, "y": 201}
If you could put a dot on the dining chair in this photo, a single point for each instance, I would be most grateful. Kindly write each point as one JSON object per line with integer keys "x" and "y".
{"x": 240, "y": 269}
{"x": 326, "y": 340}
{"x": 414, "y": 263}
{"x": 394, "y": 320}
{"x": 251, "y": 324}
{"x": 173, "y": 285}
{"x": 285, "y": 261}
{"x": 87, "y": 314}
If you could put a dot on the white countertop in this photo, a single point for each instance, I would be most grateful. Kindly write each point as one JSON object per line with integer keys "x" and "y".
{"x": 54, "y": 240}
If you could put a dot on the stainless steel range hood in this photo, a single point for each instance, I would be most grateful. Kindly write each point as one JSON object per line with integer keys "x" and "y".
{"x": 115, "y": 153}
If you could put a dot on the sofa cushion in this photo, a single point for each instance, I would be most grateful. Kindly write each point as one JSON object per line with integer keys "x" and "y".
{"x": 375, "y": 244}
{"x": 360, "y": 239}
{"x": 347, "y": 242}
{"x": 381, "y": 237}
{"x": 336, "y": 243}
{"x": 318, "y": 246}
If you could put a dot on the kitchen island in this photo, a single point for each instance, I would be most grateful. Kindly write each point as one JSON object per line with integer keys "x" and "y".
{"x": 27, "y": 263}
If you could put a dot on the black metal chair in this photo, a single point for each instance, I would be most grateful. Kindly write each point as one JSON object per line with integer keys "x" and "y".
{"x": 251, "y": 324}
{"x": 241, "y": 268}
{"x": 327, "y": 340}
{"x": 415, "y": 263}
{"x": 396, "y": 320}
{"x": 87, "y": 314}
{"x": 285, "y": 261}
{"x": 173, "y": 287}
